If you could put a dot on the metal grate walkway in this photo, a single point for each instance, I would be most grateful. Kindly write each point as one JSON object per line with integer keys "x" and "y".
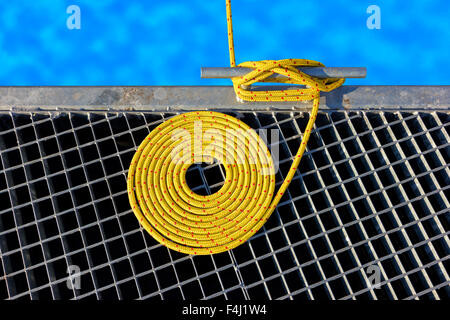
{"x": 372, "y": 192}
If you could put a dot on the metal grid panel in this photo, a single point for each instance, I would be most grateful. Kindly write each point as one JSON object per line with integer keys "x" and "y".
{"x": 372, "y": 189}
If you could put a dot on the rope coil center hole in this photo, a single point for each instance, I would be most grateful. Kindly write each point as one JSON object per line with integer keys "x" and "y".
{"x": 205, "y": 178}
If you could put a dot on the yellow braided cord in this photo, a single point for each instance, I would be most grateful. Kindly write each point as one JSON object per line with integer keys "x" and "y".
{"x": 194, "y": 224}
{"x": 286, "y": 67}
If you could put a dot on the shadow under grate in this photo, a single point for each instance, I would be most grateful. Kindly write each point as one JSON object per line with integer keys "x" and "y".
{"x": 370, "y": 196}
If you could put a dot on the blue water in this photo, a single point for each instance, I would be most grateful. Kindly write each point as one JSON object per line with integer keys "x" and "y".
{"x": 165, "y": 42}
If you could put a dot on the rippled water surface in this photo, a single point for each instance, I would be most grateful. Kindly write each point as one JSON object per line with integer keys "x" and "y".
{"x": 165, "y": 42}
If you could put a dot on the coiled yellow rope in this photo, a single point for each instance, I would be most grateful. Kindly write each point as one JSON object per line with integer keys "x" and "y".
{"x": 194, "y": 224}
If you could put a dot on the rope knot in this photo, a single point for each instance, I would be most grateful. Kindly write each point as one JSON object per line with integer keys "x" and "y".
{"x": 282, "y": 71}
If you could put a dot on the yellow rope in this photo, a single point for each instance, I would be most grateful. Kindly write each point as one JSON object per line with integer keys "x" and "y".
{"x": 287, "y": 67}
{"x": 194, "y": 224}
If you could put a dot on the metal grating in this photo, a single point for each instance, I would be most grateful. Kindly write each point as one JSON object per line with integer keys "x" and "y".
{"x": 372, "y": 190}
